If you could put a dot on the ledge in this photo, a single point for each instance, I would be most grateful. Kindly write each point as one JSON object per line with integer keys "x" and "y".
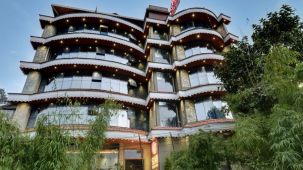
{"x": 100, "y": 94}
{"x": 211, "y": 125}
{"x": 86, "y": 36}
{"x": 120, "y": 133}
{"x": 115, "y": 65}
{"x": 81, "y": 61}
{"x": 187, "y": 34}
{"x": 90, "y": 15}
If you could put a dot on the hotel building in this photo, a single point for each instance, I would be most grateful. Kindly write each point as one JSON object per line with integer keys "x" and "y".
{"x": 159, "y": 68}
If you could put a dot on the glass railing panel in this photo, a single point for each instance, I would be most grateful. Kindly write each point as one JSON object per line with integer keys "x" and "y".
{"x": 197, "y": 50}
{"x": 212, "y": 109}
{"x": 125, "y": 37}
{"x": 82, "y": 115}
{"x": 106, "y": 56}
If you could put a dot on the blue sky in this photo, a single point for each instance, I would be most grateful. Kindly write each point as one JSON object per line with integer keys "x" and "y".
{"x": 19, "y": 20}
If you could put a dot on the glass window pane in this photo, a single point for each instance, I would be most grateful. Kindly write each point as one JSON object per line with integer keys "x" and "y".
{"x": 194, "y": 79}
{"x": 86, "y": 82}
{"x": 200, "y": 111}
{"x": 106, "y": 161}
{"x": 105, "y": 84}
{"x": 114, "y": 85}
{"x": 202, "y": 77}
{"x": 123, "y": 87}
{"x": 76, "y": 84}
{"x": 168, "y": 114}
{"x": 96, "y": 85}
{"x": 133, "y": 154}
{"x": 67, "y": 82}
{"x": 164, "y": 82}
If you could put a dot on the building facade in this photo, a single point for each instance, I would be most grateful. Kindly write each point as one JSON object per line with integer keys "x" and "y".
{"x": 159, "y": 68}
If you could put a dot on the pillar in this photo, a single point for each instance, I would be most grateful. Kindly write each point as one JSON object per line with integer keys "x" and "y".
{"x": 41, "y": 54}
{"x": 32, "y": 82}
{"x": 21, "y": 115}
{"x": 190, "y": 111}
{"x": 49, "y": 31}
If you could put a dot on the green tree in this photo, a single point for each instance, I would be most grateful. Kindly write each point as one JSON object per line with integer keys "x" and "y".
{"x": 281, "y": 27}
{"x": 51, "y": 146}
{"x": 11, "y": 145}
{"x": 3, "y": 96}
{"x": 243, "y": 64}
{"x": 205, "y": 152}
{"x": 273, "y": 139}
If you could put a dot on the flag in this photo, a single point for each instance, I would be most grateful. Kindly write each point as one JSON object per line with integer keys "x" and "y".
{"x": 173, "y": 7}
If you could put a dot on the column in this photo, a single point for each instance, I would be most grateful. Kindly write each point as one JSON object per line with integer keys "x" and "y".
{"x": 32, "y": 82}
{"x": 21, "y": 115}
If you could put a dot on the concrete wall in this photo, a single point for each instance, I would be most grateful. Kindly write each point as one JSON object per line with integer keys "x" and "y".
{"x": 182, "y": 79}
{"x": 21, "y": 115}
{"x": 41, "y": 54}
{"x": 32, "y": 82}
{"x": 174, "y": 30}
{"x": 152, "y": 83}
{"x": 49, "y": 30}
{"x": 221, "y": 29}
{"x": 150, "y": 32}
{"x": 190, "y": 111}
{"x": 153, "y": 116}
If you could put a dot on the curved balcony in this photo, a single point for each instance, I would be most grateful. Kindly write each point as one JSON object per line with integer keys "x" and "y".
{"x": 89, "y": 94}
{"x": 111, "y": 133}
{"x": 91, "y": 15}
{"x": 189, "y": 93}
{"x": 212, "y": 16}
{"x": 196, "y": 59}
{"x": 72, "y": 62}
{"x": 213, "y": 125}
{"x": 191, "y": 35}
{"x": 187, "y": 13}
{"x": 95, "y": 40}
{"x": 98, "y": 94}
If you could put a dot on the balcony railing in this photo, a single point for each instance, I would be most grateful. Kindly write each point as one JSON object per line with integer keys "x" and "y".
{"x": 81, "y": 115}
{"x": 124, "y": 37}
{"x": 127, "y": 60}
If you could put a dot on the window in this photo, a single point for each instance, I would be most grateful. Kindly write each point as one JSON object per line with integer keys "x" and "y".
{"x": 211, "y": 109}
{"x": 133, "y": 154}
{"x": 168, "y": 114}
{"x": 161, "y": 56}
{"x": 190, "y": 51}
{"x": 84, "y": 114}
{"x": 203, "y": 76}
{"x": 120, "y": 119}
{"x": 76, "y": 82}
{"x": 67, "y": 82}
{"x": 86, "y": 81}
{"x": 164, "y": 82}
{"x": 106, "y": 161}
{"x": 133, "y": 159}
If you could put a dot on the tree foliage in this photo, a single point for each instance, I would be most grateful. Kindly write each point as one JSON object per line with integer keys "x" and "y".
{"x": 262, "y": 79}
{"x": 282, "y": 27}
{"x": 274, "y": 139}
{"x": 3, "y": 96}
{"x": 205, "y": 151}
{"x": 243, "y": 65}
{"x": 51, "y": 147}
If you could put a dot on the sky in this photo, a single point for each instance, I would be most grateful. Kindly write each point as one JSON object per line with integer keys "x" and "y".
{"x": 20, "y": 20}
